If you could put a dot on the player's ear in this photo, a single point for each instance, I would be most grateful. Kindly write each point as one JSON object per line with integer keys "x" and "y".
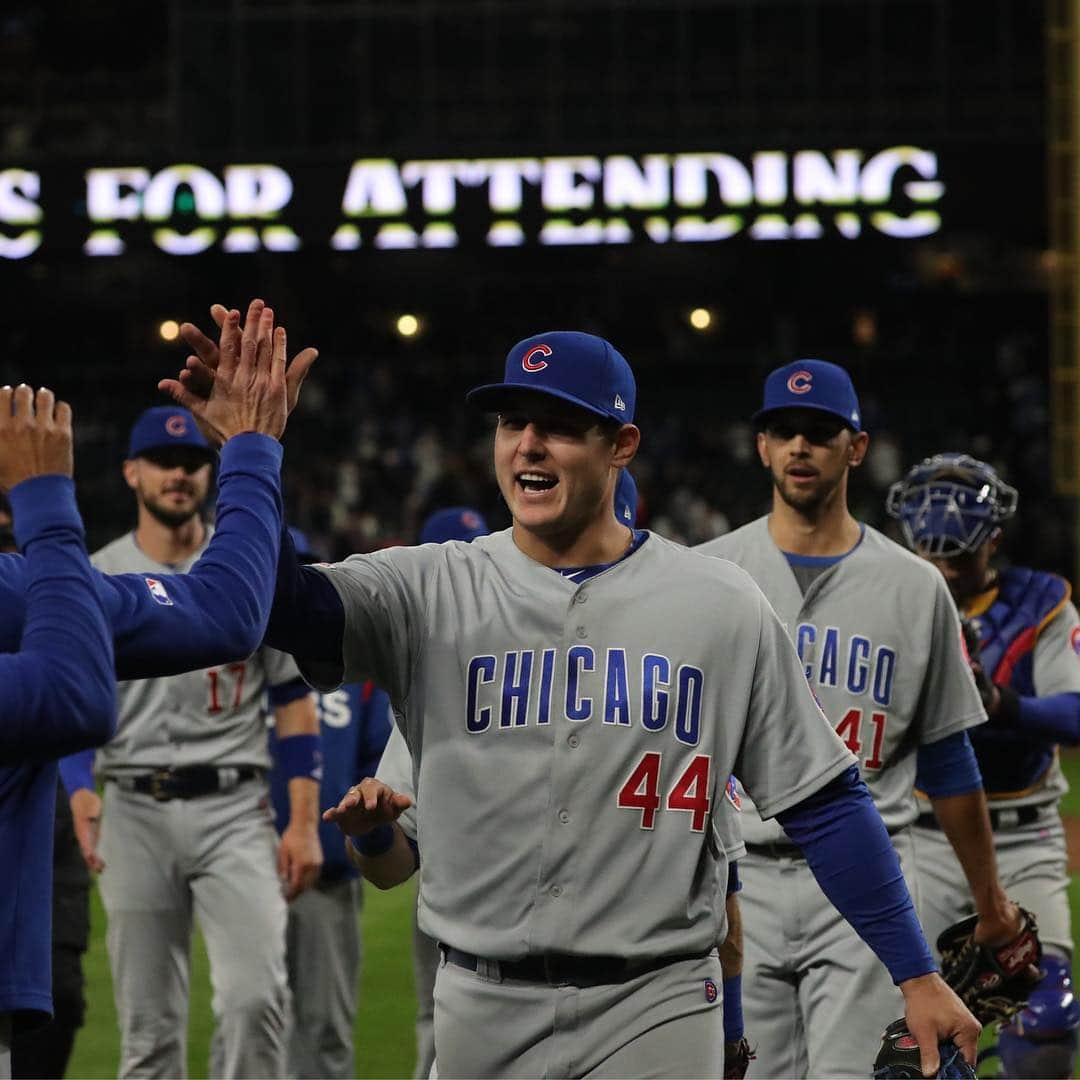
{"x": 131, "y": 473}
{"x": 763, "y": 449}
{"x": 627, "y": 441}
{"x": 860, "y": 441}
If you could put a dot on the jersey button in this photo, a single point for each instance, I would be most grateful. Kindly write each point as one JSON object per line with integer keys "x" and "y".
{"x": 564, "y": 816}
{"x": 582, "y": 632}
{"x": 580, "y": 598}
{"x": 573, "y": 742}
{"x": 556, "y": 891}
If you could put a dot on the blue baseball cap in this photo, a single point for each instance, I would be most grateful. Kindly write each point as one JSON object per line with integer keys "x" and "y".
{"x": 580, "y": 368}
{"x": 811, "y": 384}
{"x": 626, "y": 499}
{"x": 454, "y": 523}
{"x": 166, "y": 425}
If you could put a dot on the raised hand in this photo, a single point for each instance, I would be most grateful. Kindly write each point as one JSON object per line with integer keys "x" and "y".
{"x": 201, "y": 367}
{"x": 248, "y": 391}
{"x": 35, "y": 435}
{"x": 367, "y": 805}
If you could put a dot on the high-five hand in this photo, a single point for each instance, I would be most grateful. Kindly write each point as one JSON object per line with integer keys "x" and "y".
{"x": 35, "y": 435}
{"x": 200, "y": 371}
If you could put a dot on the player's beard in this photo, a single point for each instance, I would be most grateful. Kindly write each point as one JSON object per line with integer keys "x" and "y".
{"x": 170, "y": 518}
{"x": 810, "y": 502}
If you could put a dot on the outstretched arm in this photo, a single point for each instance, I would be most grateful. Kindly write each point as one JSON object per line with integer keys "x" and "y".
{"x": 218, "y": 611}
{"x": 57, "y": 693}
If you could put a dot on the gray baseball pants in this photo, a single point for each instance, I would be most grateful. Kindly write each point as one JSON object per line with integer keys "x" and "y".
{"x": 213, "y": 858}
{"x": 665, "y": 1023}
{"x": 815, "y": 997}
{"x": 425, "y": 965}
{"x": 5, "y": 1046}
{"x": 1032, "y": 865}
{"x": 323, "y": 940}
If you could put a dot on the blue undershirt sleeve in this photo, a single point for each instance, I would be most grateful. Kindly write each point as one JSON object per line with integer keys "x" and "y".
{"x": 850, "y": 853}
{"x": 307, "y": 619}
{"x": 947, "y": 767}
{"x": 1056, "y": 716}
{"x": 217, "y": 612}
{"x": 286, "y": 692}
{"x": 77, "y": 771}
{"x": 58, "y": 692}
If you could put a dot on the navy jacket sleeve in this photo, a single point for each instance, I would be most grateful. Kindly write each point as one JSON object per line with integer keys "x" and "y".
{"x": 217, "y": 612}
{"x": 307, "y": 619}
{"x": 57, "y": 693}
{"x": 849, "y": 851}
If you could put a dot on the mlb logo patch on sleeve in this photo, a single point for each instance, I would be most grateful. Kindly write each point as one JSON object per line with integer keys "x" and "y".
{"x": 158, "y": 591}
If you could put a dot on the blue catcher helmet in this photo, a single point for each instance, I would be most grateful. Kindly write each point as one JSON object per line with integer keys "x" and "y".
{"x": 1041, "y": 1040}
{"x": 950, "y": 504}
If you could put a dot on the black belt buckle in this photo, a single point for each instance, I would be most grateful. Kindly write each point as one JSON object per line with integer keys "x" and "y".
{"x": 160, "y": 785}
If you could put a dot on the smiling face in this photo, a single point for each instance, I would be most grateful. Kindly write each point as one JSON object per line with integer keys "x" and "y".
{"x": 555, "y": 463}
{"x": 172, "y": 483}
{"x": 808, "y": 452}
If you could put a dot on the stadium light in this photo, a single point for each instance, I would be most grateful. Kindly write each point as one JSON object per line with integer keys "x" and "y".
{"x": 408, "y": 326}
{"x": 701, "y": 319}
{"x": 169, "y": 330}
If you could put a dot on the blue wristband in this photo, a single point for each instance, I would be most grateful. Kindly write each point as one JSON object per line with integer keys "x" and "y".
{"x": 300, "y": 755}
{"x": 733, "y": 1019}
{"x": 377, "y": 842}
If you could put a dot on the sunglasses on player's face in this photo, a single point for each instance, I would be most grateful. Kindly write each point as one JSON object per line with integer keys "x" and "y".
{"x": 176, "y": 457}
{"x": 818, "y": 430}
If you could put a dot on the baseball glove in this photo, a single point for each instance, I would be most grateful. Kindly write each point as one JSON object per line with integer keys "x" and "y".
{"x": 993, "y": 982}
{"x": 899, "y": 1057}
{"x": 737, "y": 1058}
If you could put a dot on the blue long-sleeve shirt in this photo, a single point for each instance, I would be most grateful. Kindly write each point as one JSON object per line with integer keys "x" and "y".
{"x": 354, "y": 722}
{"x": 213, "y": 615}
{"x": 57, "y": 694}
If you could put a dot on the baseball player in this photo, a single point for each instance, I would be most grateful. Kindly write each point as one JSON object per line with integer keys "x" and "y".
{"x": 880, "y": 644}
{"x": 574, "y": 695}
{"x": 185, "y": 780}
{"x": 44, "y": 1051}
{"x": 57, "y": 690}
{"x": 1025, "y": 641}
{"x": 323, "y": 930}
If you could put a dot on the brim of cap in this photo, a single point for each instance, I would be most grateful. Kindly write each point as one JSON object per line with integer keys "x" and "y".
{"x": 761, "y": 416}
{"x": 208, "y": 452}
{"x": 489, "y": 397}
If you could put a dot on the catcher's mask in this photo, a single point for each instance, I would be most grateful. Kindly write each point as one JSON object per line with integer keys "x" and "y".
{"x": 949, "y": 504}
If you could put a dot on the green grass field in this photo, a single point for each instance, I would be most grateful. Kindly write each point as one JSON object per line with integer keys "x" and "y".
{"x": 384, "y": 1028}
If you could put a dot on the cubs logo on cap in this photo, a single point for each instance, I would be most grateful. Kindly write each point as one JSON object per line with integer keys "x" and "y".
{"x": 166, "y": 425}
{"x": 580, "y": 368}
{"x": 530, "y": 362}
{"x": 810, "y": 384}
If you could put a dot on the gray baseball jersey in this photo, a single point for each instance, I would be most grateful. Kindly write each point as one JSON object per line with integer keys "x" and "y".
{"x": 209, "y": 717}
{"x": 571, "y": 741}
{"x": 879, "y": 638}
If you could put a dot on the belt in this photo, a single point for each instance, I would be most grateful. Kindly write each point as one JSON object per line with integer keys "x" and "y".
{"x": 785, "y": 849}
{"x": 185, "y": 782}
{"x": 1001, "y": 818}
{"x": 563, "y": 969}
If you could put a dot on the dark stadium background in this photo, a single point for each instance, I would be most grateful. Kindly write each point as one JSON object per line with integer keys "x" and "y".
{"x": 947, "y": 337}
